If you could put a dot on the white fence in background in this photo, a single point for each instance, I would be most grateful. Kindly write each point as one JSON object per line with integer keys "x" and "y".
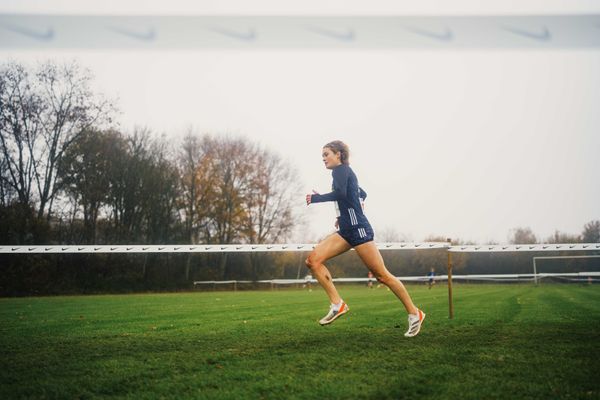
{"x": 244, "y": 248}
{"x": 593, "y": 276}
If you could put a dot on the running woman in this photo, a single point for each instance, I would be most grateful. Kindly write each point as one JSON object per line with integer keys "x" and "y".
{"x": 353, "y": 231}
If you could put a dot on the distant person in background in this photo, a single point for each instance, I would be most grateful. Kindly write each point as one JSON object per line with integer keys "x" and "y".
{"x": 308, "y": 282}
{"x": 353, "y": 231}
{"x": 370, "y": 280}
{"x": 431, "y": 276}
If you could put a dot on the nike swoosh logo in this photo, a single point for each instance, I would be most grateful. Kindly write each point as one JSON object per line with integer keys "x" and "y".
{"x": 343, "y": 36}
{"x": 445, "y": 36}
{"x": 42, "y": 35}
{"x": 247, "y": 36}
{"x": 148, "y": 35}
{"x": 543, "y": 36}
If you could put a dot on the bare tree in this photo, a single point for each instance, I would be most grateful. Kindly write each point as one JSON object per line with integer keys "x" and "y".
{"x": 561, "y": 237}
{"x": 198, "y": 176}
{"x": 230, "y": 166}
{"x": 188, "y": 163}
{"x": 6, "y": 190}
{"x": 127, "y": 173}
{"x": 274, "y": 189}
{"x": 273, "y": 192}
{"x": 20, "y": 106}
{"x": 591, "y": 232}
{"x": 41, "y": 115}
{"x": 522, "y": 236}
{"x": 144, "y": 189}
{"x": 70, "y": 108}
{"x": 240, "y": 192}
{"x": 84, "y": 174}
{"x": 391, "y": 234}
{"x": 161, "y": 191}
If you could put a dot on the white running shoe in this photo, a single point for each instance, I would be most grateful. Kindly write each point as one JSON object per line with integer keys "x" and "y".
{"x": 414, "y": 323}
{"x": 334, "y": 313}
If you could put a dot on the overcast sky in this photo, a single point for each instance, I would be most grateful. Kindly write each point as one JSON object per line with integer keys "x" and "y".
{"x": 460, "y": 143}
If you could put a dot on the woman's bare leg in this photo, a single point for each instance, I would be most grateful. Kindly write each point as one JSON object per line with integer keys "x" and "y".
{"x": 329, "y": 247}
{"x": 371, "y": 257}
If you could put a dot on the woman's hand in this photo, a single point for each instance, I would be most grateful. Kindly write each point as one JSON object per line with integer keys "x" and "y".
{"x": 309, "y": 197}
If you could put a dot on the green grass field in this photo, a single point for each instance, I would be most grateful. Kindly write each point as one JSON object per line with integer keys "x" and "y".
{"x": 506, "y": 341}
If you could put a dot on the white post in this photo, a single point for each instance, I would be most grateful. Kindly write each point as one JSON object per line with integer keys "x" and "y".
{"x": 535, "y": 279}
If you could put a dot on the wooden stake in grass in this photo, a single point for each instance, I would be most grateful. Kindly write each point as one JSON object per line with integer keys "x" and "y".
{"x": 450, "y": 305}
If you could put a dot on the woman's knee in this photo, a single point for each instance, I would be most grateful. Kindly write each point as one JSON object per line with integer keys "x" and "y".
{"x": 312, "y": 260}
{"x": 385, "y": 277}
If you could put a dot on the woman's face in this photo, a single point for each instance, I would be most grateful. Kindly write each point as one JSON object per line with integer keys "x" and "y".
{"x": 330, "y": 158}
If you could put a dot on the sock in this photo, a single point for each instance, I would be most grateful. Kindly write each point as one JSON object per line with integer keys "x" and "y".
{"x": 338, "y": 305}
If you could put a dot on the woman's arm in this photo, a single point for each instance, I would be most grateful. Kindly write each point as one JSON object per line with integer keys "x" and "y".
{"x": 340, "y": 187}
{"x": 362, "y": 194}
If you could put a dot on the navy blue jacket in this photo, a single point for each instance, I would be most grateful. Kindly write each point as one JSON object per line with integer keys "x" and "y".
{"x": 347, "y": 195}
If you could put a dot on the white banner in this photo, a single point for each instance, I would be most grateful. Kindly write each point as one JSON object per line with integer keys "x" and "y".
{"x": 200, "y": 248}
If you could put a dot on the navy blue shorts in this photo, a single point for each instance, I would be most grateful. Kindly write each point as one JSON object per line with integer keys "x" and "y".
{"x": 357, "y": 234}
